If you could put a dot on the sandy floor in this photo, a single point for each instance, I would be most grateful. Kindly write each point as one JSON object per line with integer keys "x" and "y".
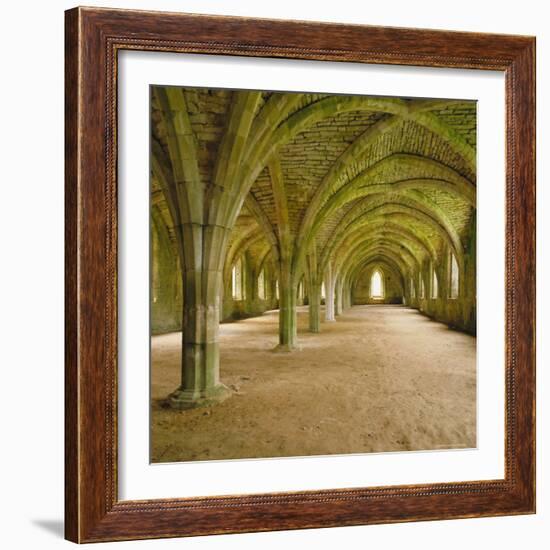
{"x": 381, "y": 378}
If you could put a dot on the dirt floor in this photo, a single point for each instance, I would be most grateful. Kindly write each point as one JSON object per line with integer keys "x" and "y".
{"x": 380, "y": 378}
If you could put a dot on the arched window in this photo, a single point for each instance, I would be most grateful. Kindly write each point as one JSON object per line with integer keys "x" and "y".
{"x": 237, "y": 280}
{"x": 261, "y": 285}
{"x": 277, "y": 289}
{"x": 413, "y": 289}
{"x": 453, "y": 277}
{"x": 322, "y": 291}
{"x": 421, "y": 286}
{"x": 376, "y": 285}
{"x": 435, "y": 285}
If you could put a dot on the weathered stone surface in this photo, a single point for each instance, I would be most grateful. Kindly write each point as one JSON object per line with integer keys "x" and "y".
{"x": 297, "y": 190}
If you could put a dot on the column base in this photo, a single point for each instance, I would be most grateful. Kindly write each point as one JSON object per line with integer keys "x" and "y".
{"x": 286, "y": 348}
{"x": 183, "y": 399}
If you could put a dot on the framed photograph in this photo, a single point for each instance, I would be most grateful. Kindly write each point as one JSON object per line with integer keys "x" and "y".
{"x": 300, "y": 275}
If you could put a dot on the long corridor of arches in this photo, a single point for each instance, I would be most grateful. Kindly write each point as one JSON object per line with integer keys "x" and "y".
{"x": 265, "y": 200}
{"x": 383, "y": 378}
{"x": 306, "y": 215}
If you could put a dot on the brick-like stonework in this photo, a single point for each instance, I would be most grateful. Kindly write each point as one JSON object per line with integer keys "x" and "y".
{"x": 302, "y": 189}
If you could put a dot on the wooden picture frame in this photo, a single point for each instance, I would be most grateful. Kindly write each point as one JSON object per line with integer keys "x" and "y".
{"x": 93, "y": 511}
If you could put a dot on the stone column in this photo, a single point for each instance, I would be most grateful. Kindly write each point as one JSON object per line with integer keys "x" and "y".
{"x": 300, "y": 294}
{"x": 227, "y": 299}
{"x": 314, "y": 307}
{"x": 250, "y": 286}
{"x": 338, "y": 306}
{"x": 346, "y": 295}
{"x": 203, "y": 284}
{"x": 329, "y": 296}
{"x": 273, "y": 301}
{"x": 288, "y": 335}
{"x": 467, "y": 281}
{"x": 314, "y": 292}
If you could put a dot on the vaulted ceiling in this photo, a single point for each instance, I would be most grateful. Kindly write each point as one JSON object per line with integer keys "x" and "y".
{"x": 354, "y": 178}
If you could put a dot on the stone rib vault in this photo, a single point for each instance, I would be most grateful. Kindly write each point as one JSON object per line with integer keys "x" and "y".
{"x": 272, "y": 200}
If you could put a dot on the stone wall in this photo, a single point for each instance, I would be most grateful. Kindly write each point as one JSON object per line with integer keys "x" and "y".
{"x": 166, "y": 282}
{"x": 459, "y": 312}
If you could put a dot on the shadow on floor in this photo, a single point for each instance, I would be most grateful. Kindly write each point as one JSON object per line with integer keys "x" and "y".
{"x": 55, "y": 527}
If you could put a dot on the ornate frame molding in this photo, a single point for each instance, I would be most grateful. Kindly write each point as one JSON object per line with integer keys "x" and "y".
{"x": 93, "y": 38}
